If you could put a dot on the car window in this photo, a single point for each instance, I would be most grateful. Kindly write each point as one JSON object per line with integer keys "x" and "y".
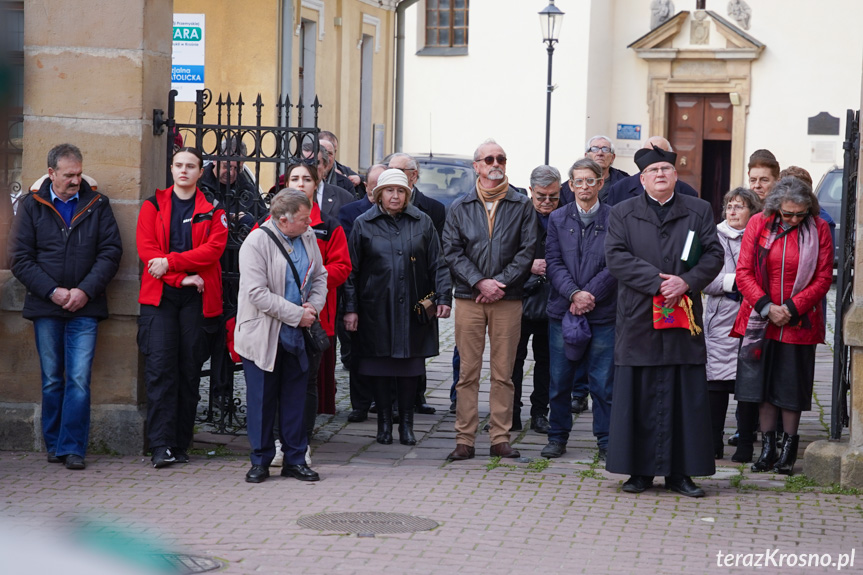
{"x": 445, "y": 182}
{"x": 830, "y": 193}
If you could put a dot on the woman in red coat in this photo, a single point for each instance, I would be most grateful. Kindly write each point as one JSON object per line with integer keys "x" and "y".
{"x": 180, "y": 238}
{"x": 784, "y": 272}
{"x": 334, "y": 249}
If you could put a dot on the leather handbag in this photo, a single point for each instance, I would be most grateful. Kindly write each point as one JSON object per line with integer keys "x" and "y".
{"x": 315, "y": 336}
{"x": 425, "y": 309}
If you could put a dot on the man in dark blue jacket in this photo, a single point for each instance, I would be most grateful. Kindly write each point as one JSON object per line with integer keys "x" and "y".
{"x": 581, "y": 286}
{"x": 66, "y": 247}
{"x": 631, "y": 186}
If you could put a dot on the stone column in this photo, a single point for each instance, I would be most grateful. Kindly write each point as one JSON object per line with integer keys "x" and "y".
{"x": 93, "y": 73}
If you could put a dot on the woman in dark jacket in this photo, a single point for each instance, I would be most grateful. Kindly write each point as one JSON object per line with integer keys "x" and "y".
{"x": 396, "y": 260}
{"x": 784, "y": 272}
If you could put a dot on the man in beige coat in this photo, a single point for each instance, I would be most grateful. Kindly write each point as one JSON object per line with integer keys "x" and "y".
{"x": 271, "y": 309}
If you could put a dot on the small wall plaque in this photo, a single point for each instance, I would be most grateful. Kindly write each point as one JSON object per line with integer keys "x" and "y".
{"x": 823, "y": 125}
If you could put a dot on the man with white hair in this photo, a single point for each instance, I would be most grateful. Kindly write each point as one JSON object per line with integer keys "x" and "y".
{"x": 600, "y": 150}
{"x": 489, "y": 239}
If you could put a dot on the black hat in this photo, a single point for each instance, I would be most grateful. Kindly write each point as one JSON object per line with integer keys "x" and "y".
{"x": 646, "y": 156}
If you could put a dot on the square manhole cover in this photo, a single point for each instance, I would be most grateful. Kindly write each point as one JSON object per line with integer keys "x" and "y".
{"x": 367, "y": 522}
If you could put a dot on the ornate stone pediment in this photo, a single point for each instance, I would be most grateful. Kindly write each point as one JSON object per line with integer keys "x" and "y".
{"x": 709, "y": 36}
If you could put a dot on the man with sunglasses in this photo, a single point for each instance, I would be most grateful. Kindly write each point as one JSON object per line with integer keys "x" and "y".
{"x": 489, "y": 239}
{"x": 660, "y": 415}
{"x": 600, "y": 150}
{"x": 631, "y": 186}
{"x": 545, "y": 196}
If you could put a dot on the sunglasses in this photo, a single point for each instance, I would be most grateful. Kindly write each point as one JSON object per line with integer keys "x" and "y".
{"x": 793, "y": 214}
{"x": 489, "y": 160}
{"x": 542, "y": 199}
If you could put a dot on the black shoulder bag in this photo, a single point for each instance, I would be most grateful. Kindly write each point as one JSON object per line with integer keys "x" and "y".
{"x": 316, "y": 338}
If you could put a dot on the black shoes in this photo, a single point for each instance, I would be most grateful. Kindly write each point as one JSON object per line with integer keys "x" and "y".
{"x": 452, "y": 406}
{"x": 638, "y": 484}
{"x": 385, "y": 427}
{"x": 539, "y": 423}
{"x": 462, "y": 452}
{"x": 73, "y": 461}
{"x": 768, "y": 453}
{"x": 683, "y": 484}
{"x": 180, "y": 455}
{"x": 579, "y": 404}
{"x": 358, "y": 415}
{"x": 553, "y": 450}
{"x": 602, "y": 453}
{"x": 743, "y": 453}
{"x": 785, "y": 464}
{"x": 425, "y": 409}
{"x": 162, "y": 457}
{"x": 52, "y": 458}
{"x": 302, "y": 472}
{"x": 257, "y": 474}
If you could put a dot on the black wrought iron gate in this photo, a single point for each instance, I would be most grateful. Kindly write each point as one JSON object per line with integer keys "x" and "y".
{"x": 243, "y": 164}
{"x": 845, "y": 275}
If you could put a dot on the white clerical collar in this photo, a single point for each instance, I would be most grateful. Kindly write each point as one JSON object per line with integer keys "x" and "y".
{"x": 657, "y": 201}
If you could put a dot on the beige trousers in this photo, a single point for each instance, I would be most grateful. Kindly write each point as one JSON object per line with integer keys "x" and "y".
{"x": 503, "y": 320}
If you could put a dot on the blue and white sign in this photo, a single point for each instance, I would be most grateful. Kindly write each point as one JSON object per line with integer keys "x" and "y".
{"x": 187, "y": 58}
{"x": 629, "y": 131}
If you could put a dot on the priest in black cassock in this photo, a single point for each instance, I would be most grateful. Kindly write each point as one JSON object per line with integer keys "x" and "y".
{"x": 660, "y": 416}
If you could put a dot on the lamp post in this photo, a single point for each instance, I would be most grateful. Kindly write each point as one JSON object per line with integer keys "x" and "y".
{"x": 551, "y": 19}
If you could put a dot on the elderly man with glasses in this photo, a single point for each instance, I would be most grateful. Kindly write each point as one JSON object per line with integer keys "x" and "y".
{"x": 600, "y": 150}
{"x": 489, "y": 239}
{"x": 660, "y": 415}
{"x": 582, "y": 290}
{"x": 545, "y": 195}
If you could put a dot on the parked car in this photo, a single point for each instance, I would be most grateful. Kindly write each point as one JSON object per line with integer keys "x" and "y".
{"x": 829, "y": 194}
{"x": 444, "y": 177}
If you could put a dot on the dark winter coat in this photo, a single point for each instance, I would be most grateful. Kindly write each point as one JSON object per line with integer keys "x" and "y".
{"x": 631, "y": 187}
{"x": 430, "y": 207}
{"x": 536, "y": 288}
{"x": 575, "y": 260}
{"x": 637, "y": 249}
{"x": 46, "y": 254}
{"x": 506, "y": 256}
{"x": 395, "y": 262}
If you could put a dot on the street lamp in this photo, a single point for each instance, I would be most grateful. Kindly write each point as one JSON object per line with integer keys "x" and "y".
{"x": 550, "y": 19}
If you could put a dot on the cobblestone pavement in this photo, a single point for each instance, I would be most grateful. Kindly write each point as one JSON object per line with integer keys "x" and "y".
{"x": 526, "y": 516}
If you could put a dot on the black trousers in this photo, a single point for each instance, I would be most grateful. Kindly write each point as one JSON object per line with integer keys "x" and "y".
{"x": 541, "y": 373}
{"x": 174, "y": 338}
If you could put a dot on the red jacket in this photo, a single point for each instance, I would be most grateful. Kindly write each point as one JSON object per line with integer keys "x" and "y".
{"x": 807, "y": 317}
{"x": 209, "y": 236}
{"x": 334, "y": 250}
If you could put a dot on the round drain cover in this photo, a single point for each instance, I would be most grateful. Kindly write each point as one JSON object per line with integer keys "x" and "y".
{"x": 367, "y": 522}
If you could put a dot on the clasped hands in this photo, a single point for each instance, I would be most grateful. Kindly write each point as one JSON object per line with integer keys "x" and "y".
{"x": 70, "y": 299}
{"x": 779, "y": 315}
{"x": 672, "y": 289}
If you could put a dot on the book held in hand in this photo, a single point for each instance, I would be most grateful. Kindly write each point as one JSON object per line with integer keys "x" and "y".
{"x": 691, "y": 250}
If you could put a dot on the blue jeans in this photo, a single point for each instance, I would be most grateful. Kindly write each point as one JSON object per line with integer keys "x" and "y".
{"x": 66, "y": 348}
{"x": 599, "y": 364}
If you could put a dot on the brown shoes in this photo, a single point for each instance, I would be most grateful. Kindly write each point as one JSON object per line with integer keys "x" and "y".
{"x": 504, "y": 450}
{"x": 461, "y": 452}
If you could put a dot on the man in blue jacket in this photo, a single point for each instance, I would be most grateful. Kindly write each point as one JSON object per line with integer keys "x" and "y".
{"x": 66, "y": 248}
{"x": 581, "y": 286}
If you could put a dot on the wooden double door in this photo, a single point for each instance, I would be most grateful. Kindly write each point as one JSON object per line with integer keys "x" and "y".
{"x": 699, "y": 129}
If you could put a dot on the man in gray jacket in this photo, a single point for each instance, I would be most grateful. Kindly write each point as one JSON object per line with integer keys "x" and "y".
{"x": 489, "y": 239}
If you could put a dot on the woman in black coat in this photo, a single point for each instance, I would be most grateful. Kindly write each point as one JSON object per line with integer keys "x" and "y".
{"x": 397, "y": 261}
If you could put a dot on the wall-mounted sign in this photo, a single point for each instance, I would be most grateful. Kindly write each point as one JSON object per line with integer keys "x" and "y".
{"x": 187, "y": 58}
{"x": 629, "y": 131}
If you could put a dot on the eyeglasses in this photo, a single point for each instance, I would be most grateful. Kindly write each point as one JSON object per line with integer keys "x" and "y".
{"x": 800, "y": 215}
{"x": 489, "y": 160}
{"x": 580, "y": 182}
{"x": 596, "y": 149}
{"x": 735, "y": 208}
{"x": 542, "y": 199}
{"x": 663, "y": 169}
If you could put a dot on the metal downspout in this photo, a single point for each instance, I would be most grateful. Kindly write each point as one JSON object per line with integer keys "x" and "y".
{"x": 400, "y": 67}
